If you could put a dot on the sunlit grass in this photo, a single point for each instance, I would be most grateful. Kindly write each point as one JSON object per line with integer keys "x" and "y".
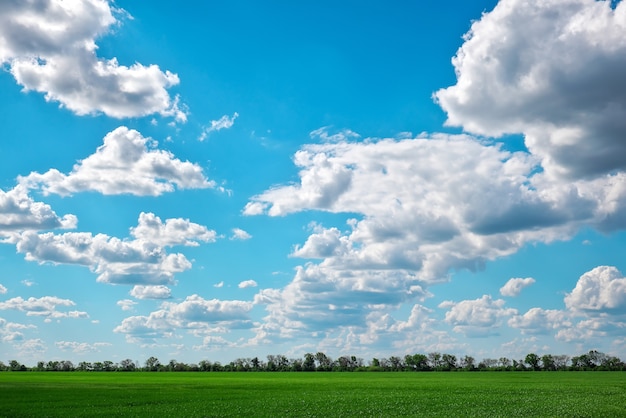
{"x": 572, "y": 394}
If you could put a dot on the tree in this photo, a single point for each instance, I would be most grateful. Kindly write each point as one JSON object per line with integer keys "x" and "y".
{"x": 532, "y": 360}
{"x": 152, "y": 364}
{"x": 127, "y": 365}
{"x": 309, "y": 363}
{"x": 16, "y": 366}
{"x": 547, "y": 362}
{"x": 468, "y": 363}
{"x": 448, "y": 362}
{"x": 434, "y": 359}
{"x": 324, "y": 362}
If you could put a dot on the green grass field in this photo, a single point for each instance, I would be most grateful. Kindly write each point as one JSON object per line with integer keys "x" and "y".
{"x": 505, "y": 394}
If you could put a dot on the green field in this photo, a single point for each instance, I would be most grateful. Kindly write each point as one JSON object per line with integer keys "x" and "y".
{"x": 506, "y": 394}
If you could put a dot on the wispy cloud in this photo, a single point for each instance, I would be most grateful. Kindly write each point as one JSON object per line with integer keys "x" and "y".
{"x": 225, "y": 122}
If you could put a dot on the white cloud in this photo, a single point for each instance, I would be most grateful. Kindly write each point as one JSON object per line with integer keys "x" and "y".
{"x": 138, "y": 261}
{"x": 540, "y": 321}
{"x": 45, "y": 306}
{"x": 151, "y": 292}
{"x": 196, "y": 314}
{"x": 218, "y": 285}
{"x": 49, "y": 47}
{"x": 27, "y": 283}
{"x": 11, "y": 331}
{"x": 126, "y": 163}
{"x": 175, "y": 231}
{"x": 478, "y": 317}
{"x": 225, "y": 122}
{"x": 240, "y": 234}
{"x": 514, "y": 286}
{"x": 247, "y": 283}
{"x": 3, "y": 290}
{"x": 19, "y": 212}
{"x": 126, "y": 304}
{"x": 552, "y": 71}
{"x": 427, "y": 204}
{"x": 80, "y": 348}
{"x": 602, "y": 289}
{"x": 323, "y": 134}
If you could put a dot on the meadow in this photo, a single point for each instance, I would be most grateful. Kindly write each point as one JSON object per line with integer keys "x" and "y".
{"x": 317, "y": 394}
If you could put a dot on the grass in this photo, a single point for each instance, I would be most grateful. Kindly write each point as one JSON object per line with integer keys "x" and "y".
{"x": 490, "y": 394}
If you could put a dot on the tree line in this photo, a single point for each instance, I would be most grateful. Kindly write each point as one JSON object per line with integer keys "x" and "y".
{"x": 320, "y": 362}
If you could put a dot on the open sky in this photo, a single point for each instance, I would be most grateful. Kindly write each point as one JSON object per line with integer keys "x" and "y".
{"x": 213, "y": 180}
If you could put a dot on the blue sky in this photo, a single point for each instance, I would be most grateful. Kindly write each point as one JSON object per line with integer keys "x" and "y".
{"x": 213, "y": 181}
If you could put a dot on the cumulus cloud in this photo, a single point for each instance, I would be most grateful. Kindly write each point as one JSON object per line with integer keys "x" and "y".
{"x": 49, "y": 46}
{"x": 126, "y": 304}
{"x": 552, "y": 71}
{"x": 80, "y": 348}
{"x": 247, "y": 283}
{"x": 514, "y": 286}
{"x": 45, "y": 306}
{"x": 225, "y": 122}
{"x": 11, "y": 332}
{"x": 602, "y": 289}
{"x": 240, "y": 234}
{"x": 427, "y": 204}
{"x": 126, "y": 163}
{"x": 19, "y": 212}
{"x": 540, "y": 321}
{"x": 139, "y": 261}
{"x": 151, "y": 292}
{"x": 478, "y": 317}
{"x": 196, "y": 314}
{"x": 3, "y": 290}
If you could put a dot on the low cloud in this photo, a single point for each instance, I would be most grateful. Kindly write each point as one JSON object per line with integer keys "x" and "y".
{"x": 196, "y": 314}
{"x": 126, "y": 304}
{"x": 602, "y": 289}
{"x": 142, "y": 261}
{"x": 46, "y": 306}
{"x": 3, "y": 290}
{"x": 50, "y": 47}
{"x": 478, "y": 317}
{"x": 151, "y": 292}
{"x": 247, "y": 283}
{"x": 126, "y": 163}
{"x": 19, "y": 212}
{"x": 80, "y": 348}
{"x": 514, "y": 286}
{"x": 240, "y": 234}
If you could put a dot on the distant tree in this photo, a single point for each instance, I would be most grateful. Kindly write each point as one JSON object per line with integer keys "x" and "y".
{"x": 396, "y": 363}
{"x": 324, "y": 363}
{"x": 85, "y": 366}
{"x": 448, "y": 362}
{"x": 16, "y": 366}
{"x": 152, "y": 364}
{"x": 560, "y": 361}
{"x": 3, "y": 367}
{"x": 66, "y": 366}
{"x": 547, "y": 362}
{"x": 468, "y": 363}
{"x": 127, "y": 365}
{"x": 308, "y": 365}
{"x": 434, "y": 359}
{"x": 532, "y": 360}
{"x": 504, "y": 363}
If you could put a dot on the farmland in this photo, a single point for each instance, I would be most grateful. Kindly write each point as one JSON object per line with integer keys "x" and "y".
{"x": 581, "y": 394}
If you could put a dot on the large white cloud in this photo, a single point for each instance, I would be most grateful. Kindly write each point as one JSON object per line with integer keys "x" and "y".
{"x": 126, "y": 163}
{"x": 514, "y": 286}
{"x": 50, "y": 46}
{"x": 151, "y": 292}
{"x": 196, "y": 314}
{"x": 599, "y": 290}
{"x": 553, "y": 71}
{"x": 45, "y": 306}
{"x": 19, "y": 212}
{"x": 478, "y": 317}
{"x": 139, "y": 261}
